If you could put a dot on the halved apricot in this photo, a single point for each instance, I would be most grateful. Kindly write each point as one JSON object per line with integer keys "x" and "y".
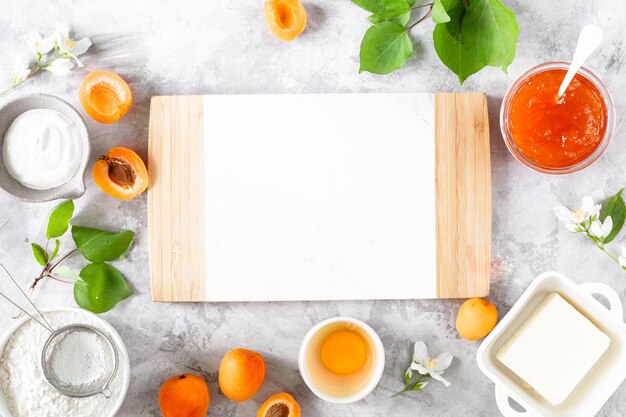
{"x": 105, "y": 96}
{"x": 279, "y": 405}
{"x": 121, "y": 173}
{"x": 286, "y": 18}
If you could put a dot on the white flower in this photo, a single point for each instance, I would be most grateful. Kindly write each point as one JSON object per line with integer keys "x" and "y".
{"x": 601, "y": 230}
{"x": 622, "y": 258}
{"x": 587, "y": 211}
{"x": 68, "y": 46}
{"x": 39, "y": 45}
{"x": 21, "y": 70}
{"x": 425, "y": 365}
{"x": 60, "y": 66}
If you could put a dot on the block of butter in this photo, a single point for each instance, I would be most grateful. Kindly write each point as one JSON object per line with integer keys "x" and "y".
{"x": 554, "y": 349}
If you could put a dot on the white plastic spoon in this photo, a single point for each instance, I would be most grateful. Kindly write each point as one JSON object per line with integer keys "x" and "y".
{"x": 588, "y": 40}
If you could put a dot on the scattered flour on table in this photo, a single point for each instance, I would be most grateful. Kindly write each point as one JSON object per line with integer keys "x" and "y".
{"x": 22, "y": 382}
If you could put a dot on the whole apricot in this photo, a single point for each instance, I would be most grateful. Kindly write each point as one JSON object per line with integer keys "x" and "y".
{"x": 241, "y": 374}
{"x": 184, "y": 395}
{"x": 476, "y": 318}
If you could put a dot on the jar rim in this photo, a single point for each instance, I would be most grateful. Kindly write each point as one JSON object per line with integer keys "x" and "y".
{"x": 608, "y": 134}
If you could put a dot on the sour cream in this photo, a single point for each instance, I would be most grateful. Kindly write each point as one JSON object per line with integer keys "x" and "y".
{"x": 42, "y": 149}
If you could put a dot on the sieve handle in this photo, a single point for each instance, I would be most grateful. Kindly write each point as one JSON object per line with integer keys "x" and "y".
{"x": 45, "y": 322}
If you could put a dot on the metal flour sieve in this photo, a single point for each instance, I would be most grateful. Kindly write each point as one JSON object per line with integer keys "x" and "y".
{"x": 92, "y": 370}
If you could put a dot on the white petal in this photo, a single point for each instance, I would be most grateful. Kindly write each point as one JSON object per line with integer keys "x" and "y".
{"x": 33, "y": 39}
{"x": 419, "y": 368}
{"x": 61, "y": 66}
{"x": 21, "y": 69}
{"x": 442, "y": 362}
{"x": 61, "y": 33}
{"x": 595, "y": 228}
{"x": 81, "y": 46}
{"x": 62, "y": 29}
{"x": 438, "y": 377}
{"x": 607, "y": 226}
{"x": 565, "y": 215}
{"x": 420, "y": 353}
{"x": 595, "y": 210}
{"x": 587, "y": 204}
{"x": 624, "y": 251}
{"x": 572, "y": 227}
{"x": 46, "y": 45}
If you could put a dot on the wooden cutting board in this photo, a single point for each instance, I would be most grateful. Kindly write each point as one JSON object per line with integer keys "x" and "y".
{"x": 319, "y": 197}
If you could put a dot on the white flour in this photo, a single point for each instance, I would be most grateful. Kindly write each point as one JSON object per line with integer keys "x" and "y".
{"x": 78, "y": 359}
{"x": 27, "y": 392}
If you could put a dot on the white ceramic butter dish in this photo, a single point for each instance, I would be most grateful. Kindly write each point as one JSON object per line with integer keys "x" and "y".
{"x": 599, "y": 383}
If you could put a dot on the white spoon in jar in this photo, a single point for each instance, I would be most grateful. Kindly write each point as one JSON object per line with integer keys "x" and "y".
{"x": 588, "y": 41}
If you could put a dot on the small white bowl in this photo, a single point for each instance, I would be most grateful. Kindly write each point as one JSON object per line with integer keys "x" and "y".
{"x": 75, "y": 187}
{"x": 379, "y": 358}
{"x": 601, "y": 381}
{"x": 124, "y": 364}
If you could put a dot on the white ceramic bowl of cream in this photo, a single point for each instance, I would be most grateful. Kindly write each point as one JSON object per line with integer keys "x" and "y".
{"x": 124, "y": 361}
{"x": 54, "y": 111}
{"x": 379, "y": 357}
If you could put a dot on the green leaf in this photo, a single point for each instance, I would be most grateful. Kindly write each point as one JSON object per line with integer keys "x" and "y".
{"x": 439, "y": 13}
{"x": 66, "y": 272}
{"x": 385, "y": 48}
{"x": 40, "y": 254}
{"x": 55, "y": 251}
{"x": 60, "y": 219}
{"x": 100, "y": 288}
{"x": 101, "y": 246}
{"x": 616, "y": 208}
{"x": 400, "y": 17}
{"x": 483, "y": 33}
{"x": 379, "y": 6}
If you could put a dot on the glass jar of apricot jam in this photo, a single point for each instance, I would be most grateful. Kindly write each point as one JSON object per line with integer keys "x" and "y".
{"x": 557, "y": 135}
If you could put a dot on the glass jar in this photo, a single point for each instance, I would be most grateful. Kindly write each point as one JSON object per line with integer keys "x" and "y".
{"x": 593, "y": 156}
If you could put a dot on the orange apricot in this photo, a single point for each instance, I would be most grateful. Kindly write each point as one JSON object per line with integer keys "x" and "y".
{"x": 241, "y": 374}
{"x": 105, "y": 96}
{"x": 476, "y": 319}
{"x": 121, "y": 173}
{"x": 279, "y": 405}
{"x": 184, "y": 395}
{"x": 285, "y": 18}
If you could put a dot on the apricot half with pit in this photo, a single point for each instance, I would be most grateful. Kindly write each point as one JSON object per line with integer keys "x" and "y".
{"x": 279, "y": 405}
{"x": 121, "y": 173}
{"x": 285, "y": 18}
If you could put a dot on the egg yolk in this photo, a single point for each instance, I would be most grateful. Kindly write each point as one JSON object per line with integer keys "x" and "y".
{"x": 344, "y": 352}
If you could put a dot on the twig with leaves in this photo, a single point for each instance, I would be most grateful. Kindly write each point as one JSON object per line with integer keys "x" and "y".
{"x": 600, "y": 228}
{"x": 57, "y": 53}
{"x": 467, "y": 36}
{"x": 99, "y": 286}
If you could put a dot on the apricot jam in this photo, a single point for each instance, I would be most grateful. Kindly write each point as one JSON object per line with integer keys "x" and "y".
{"x": 557, "y": 133}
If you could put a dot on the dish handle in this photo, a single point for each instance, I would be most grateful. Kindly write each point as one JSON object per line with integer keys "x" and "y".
{"x": 615, "y": 304}
{"x": 502, "y": 400}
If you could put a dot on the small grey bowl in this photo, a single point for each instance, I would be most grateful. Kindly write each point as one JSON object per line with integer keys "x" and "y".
{"x": 75, "y": 187}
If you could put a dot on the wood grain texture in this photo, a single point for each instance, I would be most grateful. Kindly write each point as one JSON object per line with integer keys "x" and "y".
{"x": 462, "y": 182}
{"x": 175, "y": 203}
{"x": 463, "y": 195}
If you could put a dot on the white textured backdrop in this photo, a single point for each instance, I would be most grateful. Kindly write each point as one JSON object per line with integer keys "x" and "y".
{"x": 223, "y": 46}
